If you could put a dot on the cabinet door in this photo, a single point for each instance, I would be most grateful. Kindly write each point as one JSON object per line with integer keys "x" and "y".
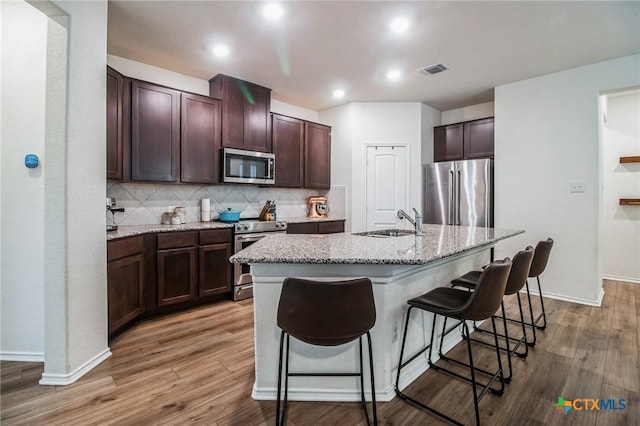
{"x": 478, "y": 138}
{"x": 155, "y": 132}
{"x": 257, "y": 123}
{"x": 215, "y": 269}
{"x": 302, "y": 228}
{"x": 125, "y": 290}
{"x": 177, "y": 275}
{"x": 317, "y": 156}
{"x": 118, "y": 112}
{"x": 232, "y": 114}
{"x": 448, "y": 142}
{"x": 200, "y": 139}
{"x": 288, "y": 147}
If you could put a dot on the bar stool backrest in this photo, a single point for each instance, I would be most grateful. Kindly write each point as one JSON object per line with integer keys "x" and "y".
{"x": 520, "y": 267}
{"x": 541, "y": 257}
{"x": 485, "y": 299}
{"x": 326, "y": 313}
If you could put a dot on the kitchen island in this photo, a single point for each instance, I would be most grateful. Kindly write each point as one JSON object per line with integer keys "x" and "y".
{"x": 400, "y": 267}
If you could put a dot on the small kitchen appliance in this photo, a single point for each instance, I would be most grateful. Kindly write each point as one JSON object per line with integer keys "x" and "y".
{"x": 318, "y": 207}
{"x": 111, "y": 207}
{"x": 241, "y": 166}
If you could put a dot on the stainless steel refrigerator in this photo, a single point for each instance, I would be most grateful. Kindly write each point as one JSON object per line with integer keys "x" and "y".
{"x": 458, "y": 193}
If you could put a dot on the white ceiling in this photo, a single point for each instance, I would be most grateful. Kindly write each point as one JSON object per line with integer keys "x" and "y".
{"x": 319, "y": 46}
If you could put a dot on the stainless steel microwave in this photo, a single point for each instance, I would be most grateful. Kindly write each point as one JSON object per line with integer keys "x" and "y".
{"x": 240, "y": 166}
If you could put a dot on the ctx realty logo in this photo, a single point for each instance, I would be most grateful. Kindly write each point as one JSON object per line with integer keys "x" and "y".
{"x": 588, "y": 404}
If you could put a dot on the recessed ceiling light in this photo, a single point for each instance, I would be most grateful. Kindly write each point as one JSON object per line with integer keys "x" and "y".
{"x": 393, "y": 75}
{"x": 273, "y": 11}
{"x": 338, "y": 94}
{"x": 220, "y": 50}
{"x": 399, "y": 25}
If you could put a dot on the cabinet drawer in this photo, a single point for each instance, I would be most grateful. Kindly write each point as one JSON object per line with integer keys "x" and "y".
{"x": 331, "y": 227}
{"x": 177, "y": 240}
{"x": 302, "y": 228}
{"x": 215, "y": 236}
{"x": 118, "y": 249}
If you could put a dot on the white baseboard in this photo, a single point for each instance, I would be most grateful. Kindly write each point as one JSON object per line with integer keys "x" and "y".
{"x": 617, "y": 278}
{"x": 578, "y": 300}
{"x": 67, "y": 379}
{"x": 22, "y": 356}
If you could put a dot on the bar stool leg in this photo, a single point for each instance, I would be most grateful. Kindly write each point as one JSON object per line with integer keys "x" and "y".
{"x": 533, "y": 326}
{"x": 506, "y": 340}
{"x": 472, "y": 370}
{"x": 279, "y": 379}
{"x": 373, "y": 385}
{"x": 543, "y": 315}
{"x": 524, "y": 331}
{"x": 362, "y": 399}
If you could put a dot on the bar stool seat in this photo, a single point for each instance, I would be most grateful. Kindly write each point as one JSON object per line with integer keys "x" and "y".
{"x": 462, "y": 306}
{"x": 325, "y": 313}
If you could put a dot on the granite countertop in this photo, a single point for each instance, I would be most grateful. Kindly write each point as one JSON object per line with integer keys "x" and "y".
{"x": 437, "y": 242}
{"x": 303, "y": 219}
{"x": 133, "y": 230}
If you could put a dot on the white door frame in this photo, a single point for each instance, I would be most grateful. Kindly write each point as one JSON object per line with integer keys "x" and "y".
{"x": 407, "y": 174}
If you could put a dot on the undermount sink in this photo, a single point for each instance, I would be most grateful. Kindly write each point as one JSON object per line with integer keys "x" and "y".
{"x": 386, "y": 233}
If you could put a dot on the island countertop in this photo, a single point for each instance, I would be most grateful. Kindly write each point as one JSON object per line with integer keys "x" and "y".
{"x": 437, "y": 242}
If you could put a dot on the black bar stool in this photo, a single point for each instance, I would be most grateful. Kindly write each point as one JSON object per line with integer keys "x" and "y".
{"x": 517, "y": 279}
{"x": 461, "y": 306}
{"x": 326, "y": 313}
{"x": 539, "y": 264}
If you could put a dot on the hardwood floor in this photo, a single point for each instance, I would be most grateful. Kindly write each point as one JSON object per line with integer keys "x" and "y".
{"x": 197, "y": 367}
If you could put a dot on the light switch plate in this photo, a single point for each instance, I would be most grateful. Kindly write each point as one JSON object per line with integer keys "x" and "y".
{"x": 576, "y": 187}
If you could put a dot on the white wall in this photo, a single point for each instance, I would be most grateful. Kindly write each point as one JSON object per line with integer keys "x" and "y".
{"x": 76, "y": 308}
{"x": 473, "y": 112}
{"x": 621, "y": 224}
{"x": 359, "y": 124}
{"x": 430, "y": 118}
{"x": 24, "y": 51}
{"x": 546, "y": 135}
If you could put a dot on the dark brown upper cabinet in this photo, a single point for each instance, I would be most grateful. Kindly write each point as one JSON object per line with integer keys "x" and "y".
{"x": 245, "y": 113}
{"x": 155, "y": 132}
{"x": 461, "y": 141}
{"x": 288, "y": 147}
{"x": 303, "y": 153}
{"x": 118, "y": 113}
{"x": 478, "y": 138}
{"x": 317, "y": 156}
{"x": 200, "y": 139}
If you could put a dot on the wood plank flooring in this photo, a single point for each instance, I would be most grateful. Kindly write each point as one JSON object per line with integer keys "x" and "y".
{"x": 197, "y": 368}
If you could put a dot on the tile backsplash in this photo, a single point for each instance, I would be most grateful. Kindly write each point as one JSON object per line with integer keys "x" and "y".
{"x": 144, "y": 203}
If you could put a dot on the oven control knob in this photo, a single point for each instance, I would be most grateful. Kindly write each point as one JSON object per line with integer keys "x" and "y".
{"x": 245, "y": 227}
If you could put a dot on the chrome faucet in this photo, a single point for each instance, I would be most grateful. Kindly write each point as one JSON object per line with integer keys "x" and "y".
{"x": 417, "y": 222}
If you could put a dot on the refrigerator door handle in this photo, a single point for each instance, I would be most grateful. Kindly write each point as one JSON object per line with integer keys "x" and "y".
{"x": 451, "y": 198}
{"x": 459, "y": 177}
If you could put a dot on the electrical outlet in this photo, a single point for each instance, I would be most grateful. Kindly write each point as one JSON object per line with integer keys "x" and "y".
{"x": 395, "y": 334}
{"x": 576, "y": 187}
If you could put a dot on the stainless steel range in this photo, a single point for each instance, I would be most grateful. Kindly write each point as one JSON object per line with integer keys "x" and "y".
{"x": 246, "y": 233}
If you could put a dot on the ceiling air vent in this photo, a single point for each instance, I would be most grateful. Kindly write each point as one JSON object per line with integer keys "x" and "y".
{"x": 433, "y": 69}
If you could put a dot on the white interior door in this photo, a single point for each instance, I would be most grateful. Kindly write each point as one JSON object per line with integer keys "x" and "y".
{"x": 386, "y": 185}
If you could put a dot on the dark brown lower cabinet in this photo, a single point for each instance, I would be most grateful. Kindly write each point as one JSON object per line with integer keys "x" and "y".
{"x": 215, "y": 269}
{"x": 125, "y": 282}
{"x": 153, "y": 274}
{"x": 177, "y": 275}
{"x": 324, "y": 227}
